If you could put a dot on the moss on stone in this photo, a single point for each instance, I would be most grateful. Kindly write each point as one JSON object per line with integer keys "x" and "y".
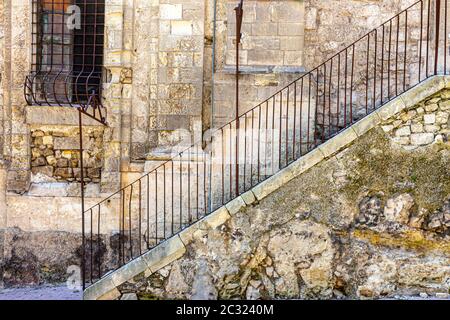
{"x": 410, "y": 240}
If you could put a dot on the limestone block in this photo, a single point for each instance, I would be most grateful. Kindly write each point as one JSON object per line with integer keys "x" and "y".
{"x": 391, "y": 108}
{"x": 426, "y": 89}
{"x": 217, "y": 218}
{"x": 170, "y": 11}
{"x": 272, "y": 184}
{"x": 429, "y": 118}
{"x": 338, "y": 142}
{"x": 181, "y": 28}
{"x": 235, "y": 205}
{"x": 103, "y": 288}
{"x": 111, "y": 295}
{"x": 129, "y": 270}
{"x": 166, "y": 252}
{"x": 421, "y": 139}
{"x": 367, "y": 123}
{"x": 249, "y": 198}
{"x": 129, "y": 296}
{"x": 306, "y": 162}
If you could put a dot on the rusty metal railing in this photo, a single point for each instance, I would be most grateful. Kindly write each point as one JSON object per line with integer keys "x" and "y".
{"x": 381, "y": 65}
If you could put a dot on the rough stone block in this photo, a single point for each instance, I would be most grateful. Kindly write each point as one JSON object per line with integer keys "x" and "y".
{"x": 187, "y": 235}
{"x": 166, "y": 252}
{"x": 129, "y": 296}
{"x": 421, "y": 139}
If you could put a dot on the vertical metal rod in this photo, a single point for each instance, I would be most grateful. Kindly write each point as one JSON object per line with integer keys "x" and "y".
{"x": 367, "y": 73}
{"x": 396, "y": 55}
{"x": 83, "y": 255}
{"x": 338, "y": 104}
{"x": 405, "y": 52}
{"x": 438, "y": 20}
{"x": 421, "y": 40}
{"x": 375, "y": 71}
{"x": 445, "y": 36}
{"x": 382, "y": 64}
{"x": 389, "y": 61}
{"x": 245, "y": 151}
{"x": 239, "y": 15}
{"x": 295, "y": 121}
{"x": 259, "y": 143}
{"x": 351, "y": 84}
{"x": 286, "y": 134}
{"x": 428, "y": 38}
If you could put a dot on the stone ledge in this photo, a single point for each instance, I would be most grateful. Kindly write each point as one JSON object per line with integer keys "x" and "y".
{"x": 164, "y": 253}
{"x": 364, "y": 125}
{"x": 338, "y": 142}
{"x": 235, "y": 205}
{"x": 157, "y": 258}
{"x": 211, "y": 221}
{"x": 60, "y": 116}
{"x": 100, "y": 288}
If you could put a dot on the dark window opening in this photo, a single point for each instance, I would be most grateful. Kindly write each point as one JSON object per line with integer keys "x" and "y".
{"x": 67, "y": 54}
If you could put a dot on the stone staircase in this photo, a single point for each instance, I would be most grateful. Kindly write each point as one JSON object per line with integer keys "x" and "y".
{"x": 175, "y": 247}
{"x": 292, "y": 131}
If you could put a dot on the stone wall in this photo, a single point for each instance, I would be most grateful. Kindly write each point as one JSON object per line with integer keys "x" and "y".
{"x": 370, "y": 221}
{"x": 2, "y": 46}
{"x": 272, "y": 34}
{"x": 55, "y": 154}
{"x": 422, "y": 125}
{"x": 328, "y": 26}
{"x": 157, "y": 79}
{"x": 331, "y": 25}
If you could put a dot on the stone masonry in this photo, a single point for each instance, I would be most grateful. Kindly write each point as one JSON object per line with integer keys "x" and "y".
{"x": 370, "y": 220}
{"x": 168, "y": 72}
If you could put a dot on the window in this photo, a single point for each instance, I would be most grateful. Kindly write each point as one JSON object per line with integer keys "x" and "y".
{"x": 67, "y": 52}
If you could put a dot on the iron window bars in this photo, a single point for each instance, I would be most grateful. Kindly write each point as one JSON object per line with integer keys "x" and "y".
{"x": 67, "y": 55}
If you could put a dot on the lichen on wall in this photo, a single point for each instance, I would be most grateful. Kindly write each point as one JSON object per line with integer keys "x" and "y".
{"x": 371, "y": 221}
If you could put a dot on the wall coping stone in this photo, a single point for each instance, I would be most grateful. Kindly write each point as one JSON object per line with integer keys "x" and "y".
{"x": 175, "y": 247}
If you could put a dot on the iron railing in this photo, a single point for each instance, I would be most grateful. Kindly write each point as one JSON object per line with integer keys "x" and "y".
{"x": 384, "y": 63}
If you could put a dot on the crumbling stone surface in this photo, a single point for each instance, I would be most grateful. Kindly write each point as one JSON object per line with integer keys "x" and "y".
{"x": 55, "y": 155}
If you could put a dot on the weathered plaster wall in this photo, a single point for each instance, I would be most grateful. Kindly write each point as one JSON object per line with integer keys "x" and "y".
{"x": 371, "y": 221}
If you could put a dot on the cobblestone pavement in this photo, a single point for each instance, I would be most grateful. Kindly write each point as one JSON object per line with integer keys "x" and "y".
{"x": 46, "y": 292}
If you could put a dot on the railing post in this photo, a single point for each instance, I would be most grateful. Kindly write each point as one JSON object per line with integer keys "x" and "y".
{"x": 239, "y": 16}
{"x": 83, "y": 254}
{"x": 438, "y": 24}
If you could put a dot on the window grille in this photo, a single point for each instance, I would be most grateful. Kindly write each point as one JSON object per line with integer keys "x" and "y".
{"x": 67, "y": 53}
